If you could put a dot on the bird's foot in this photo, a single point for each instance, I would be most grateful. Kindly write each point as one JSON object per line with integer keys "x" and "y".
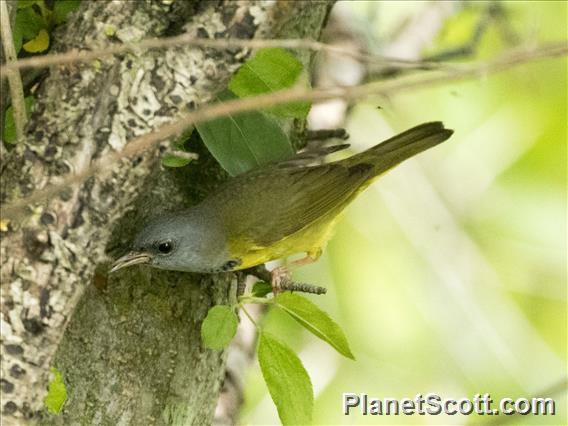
{"x": 278, "y": 276}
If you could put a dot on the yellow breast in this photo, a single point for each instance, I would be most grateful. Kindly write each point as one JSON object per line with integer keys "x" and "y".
{"x": 310, "y": 240}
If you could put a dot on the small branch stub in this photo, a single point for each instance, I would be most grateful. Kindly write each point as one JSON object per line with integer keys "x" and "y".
{"x": 289, "y": 285}
{"x": 286, "y": 284}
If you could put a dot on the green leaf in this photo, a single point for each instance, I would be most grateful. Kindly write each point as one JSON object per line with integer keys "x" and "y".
{"x": 315, "y": 320}
{"x": 219, "y": 327}
{"x": 38, "y": 44}
{"x": 18, "y": 38}
{"x": 56, "y": 393}
{"x": 288, "y": 382}
{"x": 179, "y": 143}
{"x": 62, "y": 8}
{"x": 271, "y": 70}
{"x": 244, "y": 141}
{"x": 9, "y": 131}
{"x": 457, "y": 31}
{"x": 29, "y": 23}
{"x": 22, "y": 4}
{"x": 261, "y": 289}
{"x": 172, "y": 160}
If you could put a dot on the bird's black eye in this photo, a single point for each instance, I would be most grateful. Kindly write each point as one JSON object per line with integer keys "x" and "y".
{"x": 165, "y": 247}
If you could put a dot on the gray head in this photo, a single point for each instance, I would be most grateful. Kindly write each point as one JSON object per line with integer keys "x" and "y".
{"x": 187, "y": 241}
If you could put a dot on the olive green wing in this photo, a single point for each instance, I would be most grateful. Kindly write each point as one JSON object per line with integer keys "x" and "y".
{"x": 276, "y": 201}
{"x": 268, "y": 206}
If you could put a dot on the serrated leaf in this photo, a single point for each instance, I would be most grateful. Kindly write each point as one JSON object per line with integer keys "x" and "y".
{"x": 9, "y": 130}
{"x": 271, "y": 70}
{"x": 288, "y": 382}
{"x": 38, "y": 44}
{"x": 56, "y": 393}
{"x": 315, "y": 320}
{"x": 261, "y": 289}
{"x": 241, "y": 142}
{"x": 62, "y": 8}
{"x": 219, "y": 327}
{"x": 172, "y": 160}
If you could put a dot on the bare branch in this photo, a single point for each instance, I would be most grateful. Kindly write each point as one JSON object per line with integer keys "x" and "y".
{"x": 209, "y": 112}
{"x": 190, "y": 40}
{"x": 13, "y": 75}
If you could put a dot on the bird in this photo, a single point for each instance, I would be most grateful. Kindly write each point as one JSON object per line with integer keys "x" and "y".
{"x": 271, "y": 212}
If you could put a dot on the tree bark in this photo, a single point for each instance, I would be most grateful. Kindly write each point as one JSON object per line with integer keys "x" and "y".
{"x": 128, "y": 345}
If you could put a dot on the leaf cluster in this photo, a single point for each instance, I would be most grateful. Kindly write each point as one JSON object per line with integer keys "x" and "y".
{"x": 286, "y": 378}
{"x": 32, "y": 33}
{"x": 241, "y": 142}
{"x": 35, "y": 20}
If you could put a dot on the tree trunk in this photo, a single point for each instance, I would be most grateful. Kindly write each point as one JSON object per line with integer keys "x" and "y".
{"x": 128, "y": 345}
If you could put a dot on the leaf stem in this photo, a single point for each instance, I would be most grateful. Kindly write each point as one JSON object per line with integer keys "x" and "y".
{"x": 257, "y": 300}
{"x": 249, "y": 317}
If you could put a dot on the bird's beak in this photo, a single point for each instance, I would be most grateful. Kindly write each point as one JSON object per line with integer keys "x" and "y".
{"x": 132, "y": 258}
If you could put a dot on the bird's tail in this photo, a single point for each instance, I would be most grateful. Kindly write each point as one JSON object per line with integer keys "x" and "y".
{"x": 395, "y": 150}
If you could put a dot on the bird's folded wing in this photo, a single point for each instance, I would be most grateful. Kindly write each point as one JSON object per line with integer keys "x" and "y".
{"x": 275, "y": 204}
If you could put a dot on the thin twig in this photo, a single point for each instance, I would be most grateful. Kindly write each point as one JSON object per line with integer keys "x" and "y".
{"x": 259, "y": 272}
{"x": 289, "y": 285}
{"x": 255, "y": 300}
{"x": 13, "y": 74}
{"x": 190, "y": 40}
{"x": 209, "y": 112}
{"x": 324, "y": 134}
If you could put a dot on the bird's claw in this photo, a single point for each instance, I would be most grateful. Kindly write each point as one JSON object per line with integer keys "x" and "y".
{"x": 278, "y": 275}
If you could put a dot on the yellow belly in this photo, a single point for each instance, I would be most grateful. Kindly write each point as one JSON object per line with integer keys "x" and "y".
{"x": 310, "y": 240}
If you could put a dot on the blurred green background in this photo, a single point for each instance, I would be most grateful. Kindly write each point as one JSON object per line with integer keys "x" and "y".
{"x": 449, "y": 274}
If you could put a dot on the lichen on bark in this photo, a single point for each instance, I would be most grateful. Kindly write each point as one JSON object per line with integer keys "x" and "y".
{"x": 131, "y": 352}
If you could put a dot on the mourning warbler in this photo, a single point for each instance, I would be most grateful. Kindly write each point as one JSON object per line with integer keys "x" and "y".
{"x": 271, "y": 212}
